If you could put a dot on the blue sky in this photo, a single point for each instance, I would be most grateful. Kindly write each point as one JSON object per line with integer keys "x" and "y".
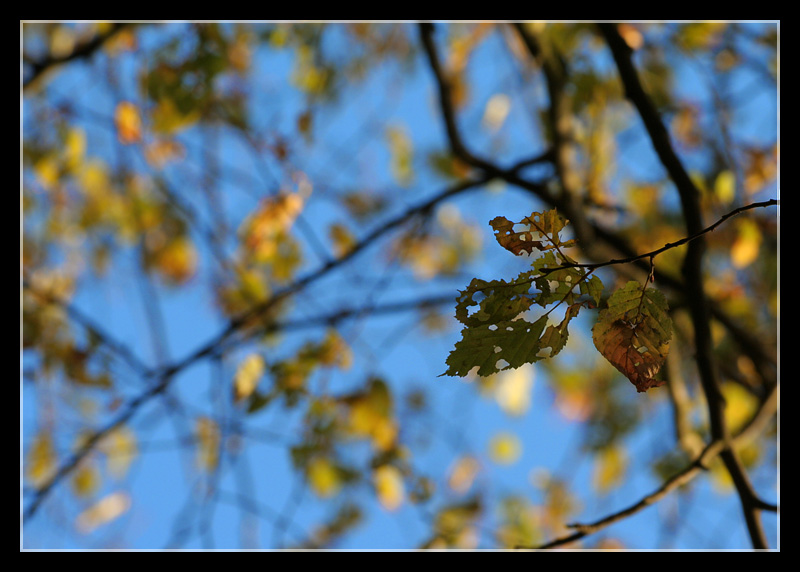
{"x": 163, "y": 481}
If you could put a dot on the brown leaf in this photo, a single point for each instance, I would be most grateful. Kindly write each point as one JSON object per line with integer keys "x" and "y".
{"x": 630, "y": 355}
{"x": 516, "y": 242}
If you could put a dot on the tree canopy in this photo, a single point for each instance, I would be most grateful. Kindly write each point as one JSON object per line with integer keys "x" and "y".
{"x": 399, "y": 285}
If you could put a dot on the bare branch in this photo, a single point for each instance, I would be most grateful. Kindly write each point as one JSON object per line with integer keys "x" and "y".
{"x": 81, "y": 51}
{"x": 753, "y": 428}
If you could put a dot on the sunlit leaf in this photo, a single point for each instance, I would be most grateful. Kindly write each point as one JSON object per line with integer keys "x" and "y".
{"x": 505, "y": 448}
{"x": 177, "y": 260}
{"x": 389, "y": 487}
{"x": 610, "y": 465}
{"x": 725, "y": 187}
{"x": 496, "y": 111}
{"x": 264, "y": 231}
{"x": 85, "y": 480}
{"x": 208, "y": 443}
{"x": 128, "y": 122}
{"x": 104, "y": 511}
{"x": 120, "y": 449}
{"x": 744, "y": 250}
{"x": 341, "y": 238}
{"x": 40, "y": 462}
{"x": 463, "y": 473}
{"x": 324, "y": 477}
{"x": 402, "y": 155}
{"x": 247, "y": 376}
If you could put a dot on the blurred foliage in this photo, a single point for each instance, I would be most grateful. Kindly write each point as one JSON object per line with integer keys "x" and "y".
{"x": 171, "y": 163}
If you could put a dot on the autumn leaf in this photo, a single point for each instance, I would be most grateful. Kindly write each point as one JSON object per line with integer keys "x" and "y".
{"x": 128, "y": 123}
{"x": 85, "y": 480}
{"x": 208, "y": 443}
{"x": 107, "y": 509}
{"x": 541, "y": 232}
{"x": 402, "y": 155}
{"x": 40, "y": 462}
{"x": 463, "y": 474}
{"x": 610, "y": 465}
{"x": 388, "y": 482}
{"x": 120, "y": 450}
{"x": 634, "y": 332}
{"x": 248, "y": 374}
{"x": 177, "y": 260}
{"x": 505, "y": 448}
{"x": 324, "y": 477}
{"x": 265, "y": 228}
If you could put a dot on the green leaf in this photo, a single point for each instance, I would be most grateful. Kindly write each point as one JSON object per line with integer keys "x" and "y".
{"x": 487, "y": 347}
{"x": 634, "y": 332}
{"x": 557, "y": 285}
{"x": 495, "y": 337}
{"x": 502, "y": 301}
{"x": 555, "y": 336}
{"x": 593, "y": 287}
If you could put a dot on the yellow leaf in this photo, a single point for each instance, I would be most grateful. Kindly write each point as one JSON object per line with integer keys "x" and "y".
{"x": 167, "y": 119}
{"x": 47, "y": 171}
{"x": 609, "y": 468}
{"x": 747, "y": 244}
{"x": 248, "y": 374}
{"x": 389, "y": 486}
{"x": 324, "y": 477}
{"x": 62, "y": 41}
{"x": 120, "y": 450}
{"x": 160, "y": 152}
{"x": 41, "y": 460}
{"x": 505, "y": 448}
{"x": 85, "y": 480}
{"x": 128, "y": 123}
{"x": 342, "y": 239}
{"x": 496, "y": 111}
{"x": 93, "y": 178}
{"x": 177, "y": 261}
{"x": 266, "y": 227}
{"x": 725, "y": 187}
{"x": 369, "y": 415}
{"x": 402, "y": 155}
{"x": 208, "y": 443}
{"x": 740, "y": 406}
{"x": 334, "y": 351}
{"x": 463, "y": 474}
{"x": 74, "y": 148}
{"x": 105, "y": 510}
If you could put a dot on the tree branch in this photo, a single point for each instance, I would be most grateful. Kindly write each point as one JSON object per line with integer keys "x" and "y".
{"x": 81, "y": 51}
{"x": 596, "y": 241}
{"x": 714, "y": 449}
{"x": 692, "y": 268}
{"x": 162, "y": 377}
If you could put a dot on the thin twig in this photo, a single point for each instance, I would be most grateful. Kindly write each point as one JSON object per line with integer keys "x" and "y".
{"x": 653, "y": 253}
